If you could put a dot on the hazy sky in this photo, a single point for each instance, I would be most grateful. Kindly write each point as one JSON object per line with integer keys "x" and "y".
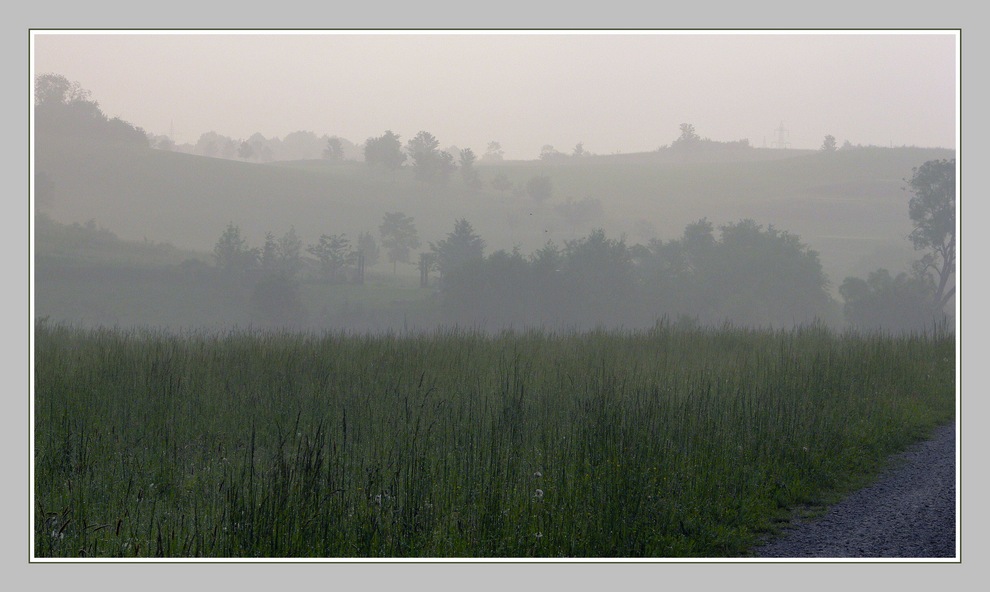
{"x": 613, "y": 91}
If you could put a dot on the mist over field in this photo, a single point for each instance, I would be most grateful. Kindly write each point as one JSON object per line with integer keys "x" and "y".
{"x": 433, "y": 295}
{"x": 464, "y": 216}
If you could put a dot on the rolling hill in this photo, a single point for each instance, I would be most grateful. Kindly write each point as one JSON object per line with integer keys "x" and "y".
{"x": 848, "y": 205}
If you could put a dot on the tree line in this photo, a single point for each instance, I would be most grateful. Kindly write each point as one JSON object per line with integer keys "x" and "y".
{"x": 741, "y": 273}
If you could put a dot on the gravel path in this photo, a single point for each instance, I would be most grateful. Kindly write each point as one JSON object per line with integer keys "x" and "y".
{"x": 909, "y": 512}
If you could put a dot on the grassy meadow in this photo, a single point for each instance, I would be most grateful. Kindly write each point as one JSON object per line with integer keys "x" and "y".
{"x": 669, "y": 443}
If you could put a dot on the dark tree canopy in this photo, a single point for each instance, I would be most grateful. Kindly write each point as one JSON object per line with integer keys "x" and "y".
{"x": 232, "y": 253}
{"x": 913, "y": 301}
{"x": 384, "y": 151}
{"x": 461, "y": 246}
{"x": 688, "y": 137}
{"x": 335, "y": 253}
{"x": 63, "y": 110}
{"x": 399, "y": 237}
{"x": 751, "y": 276}
{"x": 368, "y": 247}
{"x": 494, "y": 152}
{"x": 892, "y": 304}
{"x": 430, "y": 164}
{"x": 334, "y": 150}
{"x": 933, "y": 213}
{"x": 424, "y": 150}
{"x": 468, "y": 172}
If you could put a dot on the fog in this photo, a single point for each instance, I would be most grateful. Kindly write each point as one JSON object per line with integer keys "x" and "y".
{"x": 556, "y": 179}
{"x": 613, "y": 92}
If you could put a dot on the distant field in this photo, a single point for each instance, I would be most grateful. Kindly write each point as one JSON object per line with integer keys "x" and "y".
{"x": 848, "y": 205}
{"x": 665, "y": 443}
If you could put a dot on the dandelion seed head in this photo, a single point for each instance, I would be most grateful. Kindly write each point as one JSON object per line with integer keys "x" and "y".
{"x": 538, "y": 494}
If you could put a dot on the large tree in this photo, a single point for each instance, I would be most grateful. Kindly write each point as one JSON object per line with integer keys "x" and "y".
{"x": 334, "y": 252}
{"x": 55, "y": 89}
{"x": 424, "y": 150}
{"x": 494, "y": 152}
{"x": 470, "y": 174}
{"x": 384, "y": 151}
{"x": 688, "y": 138}
{"x": 64, "y": 109}
{"x": 399, "y": 237}
{"x": 884, "y": 302}
{"x": 461, "y": 246}
{"x": 232, "y": 253}
{"x": 334, "y": 150}
{"x": 368, "y": 247}
{"x": 933, "y": 212}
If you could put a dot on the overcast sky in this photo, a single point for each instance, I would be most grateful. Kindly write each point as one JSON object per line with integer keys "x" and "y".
{"x": 615, "y": 92}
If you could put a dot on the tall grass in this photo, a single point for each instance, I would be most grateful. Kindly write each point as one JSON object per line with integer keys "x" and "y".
{"x": 665, "y": 443}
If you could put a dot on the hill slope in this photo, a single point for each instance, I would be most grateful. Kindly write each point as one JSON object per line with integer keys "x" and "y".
{"x": 848, "y": 205}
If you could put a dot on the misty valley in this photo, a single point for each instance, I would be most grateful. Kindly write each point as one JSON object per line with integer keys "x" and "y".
{"x": 311, "y": 347}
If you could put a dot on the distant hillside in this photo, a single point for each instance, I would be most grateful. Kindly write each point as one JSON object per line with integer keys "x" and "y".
{"x": 82, "y": 244}
{"x": 849, "y": 205}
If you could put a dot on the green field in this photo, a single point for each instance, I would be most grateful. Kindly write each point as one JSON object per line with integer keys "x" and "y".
{"x": 664, "y": 443}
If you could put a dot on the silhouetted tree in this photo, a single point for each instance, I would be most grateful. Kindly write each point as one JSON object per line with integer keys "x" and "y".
{"x": 548, "y": 152}
{"x": 334, "y": 150}
{"x": 55, "y": 89}
{"x": 468, "y": 172}
{"x": 933, "y": 213}
{"x": 493, "y": 153}
{"x": 384, "y": 151}
{"x": 281, "y": 256}
{"x": 597, "y": 274}
{"x": 445, "y": 167}
{"x": 232, "y": 253}
{"x": 213, "y": 144}
{"x": 688, "y": 137}
{"x": 334, "y": 252}
{"x": 461, "y": 246}
{"x": 63, "y": 109}
{"x": 829, "y": 144}
{"x": 269, "y": 254}
{"x": 367, "y": 245}
{"x": 290, "y": 253}
{"x": 399, "y": 237}
{"x": 261, "y": 147}
{"x": 245, "y": 150}
{"x": 429, "y": 163}
{"x": 766, "y": 278}
{"x": 893, "y": 304}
